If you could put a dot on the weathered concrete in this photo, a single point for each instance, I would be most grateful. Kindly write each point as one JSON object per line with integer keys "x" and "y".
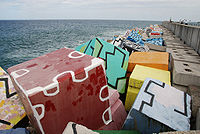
{"x": 180, "y": 87}
{"x": 181, "y": 51}
{"x": 175, "y": 40}
{"x": 183, "y": 132}
{"x": 179, "y": 46}
{"x": 173, "y": 28}
{"x": 184, "y": 34}
{"x": 198, "y": 120}
{"x": 194, "y": 92}
{"x": 156, "y": 47}
{"x": 185, "y": 73}
{"x": 195, "y": 38}
{"x": 176, "y": 43}
{"x": 189, "y": 34}
{"x": 178, "y": 31}
{"x": 186, "y": 58}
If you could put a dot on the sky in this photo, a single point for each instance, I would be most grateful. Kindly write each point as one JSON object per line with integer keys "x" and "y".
{"x": 158, "y": 10}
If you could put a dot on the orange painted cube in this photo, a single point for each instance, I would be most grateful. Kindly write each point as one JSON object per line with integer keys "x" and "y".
{"x": 158, "y": 60}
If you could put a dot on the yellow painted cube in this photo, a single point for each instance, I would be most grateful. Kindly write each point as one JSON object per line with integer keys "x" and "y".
{"x": 139, "y": 74}
{"x": 1, "y": 71}
{"x": 130, "y": 97}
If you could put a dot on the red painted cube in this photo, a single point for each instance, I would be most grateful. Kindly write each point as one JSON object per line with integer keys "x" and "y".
{"x": 118, "y": 116}
{"x": 114, "y": 96}
{"x": 62, "y": 86}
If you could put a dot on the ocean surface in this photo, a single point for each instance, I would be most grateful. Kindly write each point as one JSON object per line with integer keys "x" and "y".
{"x": 22, "y": 40}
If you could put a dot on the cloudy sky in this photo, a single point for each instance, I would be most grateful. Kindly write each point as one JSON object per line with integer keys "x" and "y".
{"x": 101, "y": 9}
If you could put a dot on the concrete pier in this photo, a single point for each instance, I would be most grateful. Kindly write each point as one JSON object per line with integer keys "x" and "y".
{"x": 190, "y": 35}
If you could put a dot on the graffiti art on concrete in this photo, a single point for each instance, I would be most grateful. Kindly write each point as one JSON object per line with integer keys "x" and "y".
{"x": 77, "y": 82}
{"x": 159, "y": 106}
{"x": 11, "y": 108}
{"x": 116, "y": 61}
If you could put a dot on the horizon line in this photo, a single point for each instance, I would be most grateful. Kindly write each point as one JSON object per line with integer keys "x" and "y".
{"x": 81, "y": 19}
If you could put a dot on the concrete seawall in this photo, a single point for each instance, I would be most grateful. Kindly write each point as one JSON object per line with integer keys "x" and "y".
{"x": 189, "y": 34}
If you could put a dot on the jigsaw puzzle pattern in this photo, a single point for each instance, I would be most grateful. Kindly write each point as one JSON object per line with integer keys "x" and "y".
{"x": 76, "y": 85}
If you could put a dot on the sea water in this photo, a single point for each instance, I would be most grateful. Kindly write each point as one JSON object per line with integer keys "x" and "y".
{"x": 22, "y": 40}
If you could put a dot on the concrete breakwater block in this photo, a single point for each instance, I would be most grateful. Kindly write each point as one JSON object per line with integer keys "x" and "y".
{"x": 114, "y": 96}
{"x": 116, "y": 61}
{"x": 62, "y": 86}
{"x": 73, "y": 128}
{"x": 179, "y": 47}
{"x": 188, "y": 52}
{"x": 11, "y": 108}
{"x": 118, "y": 117}
{"x": 159, "y": 107}
{"x": 185, "y": 73}
{"x": 117, "y": 131}
{"x": 176, "y": 44}
{"x": 170, "y": 40}
{"x": 139, "y": 74}
{"x": 185, "y": 58}
{"x": 185, "y": 89}
{"x": 156, "y": 47}
{"x": 157, "y": 60}
{"x": 194, "y": 92}
{"x": 182, "y": 132}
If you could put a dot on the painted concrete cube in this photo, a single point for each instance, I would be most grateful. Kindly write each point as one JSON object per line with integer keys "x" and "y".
{"x": 73, "y": 128}
{"x": 159, "y": 107}
{"x": 159, "y": 60}
{"x": 118, "y": 117}
{"x": 11, "y": 108}
{"x": 116, "y": 61}
{"x": 139, "y": 74}
{"x": 118, "y": 112}
{"x": 62, "y": 86}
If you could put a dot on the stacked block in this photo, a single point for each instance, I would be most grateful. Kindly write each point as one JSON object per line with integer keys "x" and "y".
{"x": 157, "y": 60}
{"x": 62, "y": 86}
{"x": 116, "y": 61}
{"x": 185, "y": 73}
{"x": 159, "y": 107}
{"x": 11, "y": 108}
{"x": 117, "y": 131}
{"x": 139, "y": 74}
{"x": 118, "y": 112}
{"x": 73, "y": 128}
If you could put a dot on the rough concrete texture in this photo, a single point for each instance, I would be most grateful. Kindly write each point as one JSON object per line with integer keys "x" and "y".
{"x": 167, "y": 41}
{"x": 182, "y": 51}
{"x": 186, "y": 58}
{"x": 185, "y": 73}
{"x": 198, "y": 120}
{"x": 178, "y": 46}
{"x": 178, "y": 30}
{"x": 189, "y": 35}
{"x": 195, "y": 38}
{"x": 180, "y": 87}
{"x": 184, "y": 34}
{"x": 198, "y": 51}
{"x": 156, "y": 47}
{"x": 194, "y": 91}
{"x": 183, "y": 132}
